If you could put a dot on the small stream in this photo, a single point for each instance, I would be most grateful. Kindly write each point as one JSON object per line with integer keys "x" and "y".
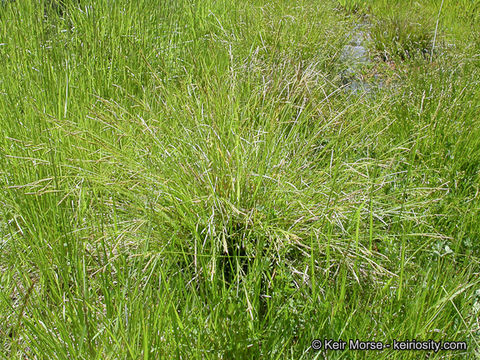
{"x": 356, "y": 57}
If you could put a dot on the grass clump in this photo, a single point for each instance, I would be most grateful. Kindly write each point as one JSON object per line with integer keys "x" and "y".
{"x": 402, "y": 37}
{"x": 356, "y": 7}
{"x": 185, "y": 179}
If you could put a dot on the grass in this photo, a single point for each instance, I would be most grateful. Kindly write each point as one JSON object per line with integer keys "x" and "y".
{"x": 189, "y": 179}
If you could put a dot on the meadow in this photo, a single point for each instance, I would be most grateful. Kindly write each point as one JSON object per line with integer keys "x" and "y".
{"x": 195, "y": 179}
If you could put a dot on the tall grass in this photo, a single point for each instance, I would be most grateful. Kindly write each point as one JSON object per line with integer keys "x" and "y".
{"x": 188, "y": 179}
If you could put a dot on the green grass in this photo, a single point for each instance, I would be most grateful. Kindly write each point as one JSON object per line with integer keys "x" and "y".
{"x": 189, "y": 179}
